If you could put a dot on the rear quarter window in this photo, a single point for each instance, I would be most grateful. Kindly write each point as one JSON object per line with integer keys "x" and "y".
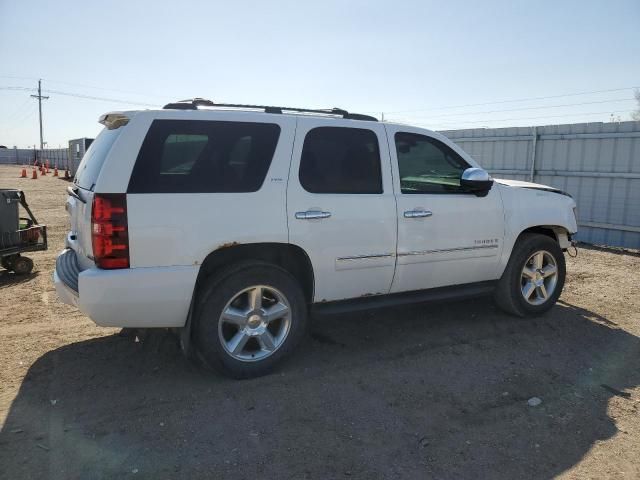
{"x": 201, "y": 156}
{"x": 93, "y": 160}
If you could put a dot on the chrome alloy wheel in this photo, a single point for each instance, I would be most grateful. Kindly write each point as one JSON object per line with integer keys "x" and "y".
{"x": 255, "y": 323}
{"x": 539, "y": 277}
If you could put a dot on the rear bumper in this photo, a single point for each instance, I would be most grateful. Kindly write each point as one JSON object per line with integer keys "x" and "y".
{"x": 65, "y": 294}
{"x": 132, "y": 297}
{"x": 67, "y": 270}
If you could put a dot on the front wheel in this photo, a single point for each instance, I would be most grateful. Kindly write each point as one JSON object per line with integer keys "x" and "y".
{"x": 533, "y": 279}
{"x": 248, "y": 318}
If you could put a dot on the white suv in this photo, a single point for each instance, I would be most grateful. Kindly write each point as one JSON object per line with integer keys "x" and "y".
{"x": 231, "y": 223}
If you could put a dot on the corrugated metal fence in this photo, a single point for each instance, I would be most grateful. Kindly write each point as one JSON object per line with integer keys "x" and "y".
{"x": 597, "y": 163}
{"x": 27, "y": 156}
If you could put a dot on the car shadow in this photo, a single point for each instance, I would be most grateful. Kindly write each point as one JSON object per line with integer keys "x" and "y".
{"x": 609, "y": 249}
{"x": 427, "y": 391}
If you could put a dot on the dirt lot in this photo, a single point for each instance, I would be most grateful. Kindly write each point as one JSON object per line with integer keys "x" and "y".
{"x": 437, "y": 391}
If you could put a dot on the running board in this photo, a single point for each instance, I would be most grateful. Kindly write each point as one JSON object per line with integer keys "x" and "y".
{"x": 372, "y": 302}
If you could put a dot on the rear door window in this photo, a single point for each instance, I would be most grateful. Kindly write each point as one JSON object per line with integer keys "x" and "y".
{"x": 341, "y": 160}
{"x": 200, "y": 156}
{"x": 94, "y": 158}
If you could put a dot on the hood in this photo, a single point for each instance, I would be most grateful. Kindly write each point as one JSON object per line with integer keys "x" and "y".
{"x": 532, "y": 186}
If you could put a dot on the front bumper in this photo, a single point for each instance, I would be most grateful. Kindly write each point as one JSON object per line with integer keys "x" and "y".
{"x": 131, "y": 297}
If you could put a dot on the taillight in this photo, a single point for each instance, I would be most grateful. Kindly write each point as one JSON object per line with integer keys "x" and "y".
{"x": 109, "y": 235}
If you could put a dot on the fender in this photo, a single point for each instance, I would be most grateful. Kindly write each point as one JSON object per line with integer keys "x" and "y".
{"x": 528, "y": 205}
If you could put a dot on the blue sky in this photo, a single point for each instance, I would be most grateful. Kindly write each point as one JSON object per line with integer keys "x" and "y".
{"x": 424, "y": 62}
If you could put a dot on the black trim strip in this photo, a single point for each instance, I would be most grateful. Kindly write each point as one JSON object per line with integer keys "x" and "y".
{"x": 372, "y": 302}
{"x": 365, "y": 257}
{"x": 550, "y": 189}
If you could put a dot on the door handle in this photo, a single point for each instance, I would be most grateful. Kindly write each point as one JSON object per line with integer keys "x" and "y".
{"x": 417, "y": 213}
{"x": 312, "y": 214}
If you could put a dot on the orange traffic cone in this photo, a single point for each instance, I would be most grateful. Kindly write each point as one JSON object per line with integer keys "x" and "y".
{"x": 34, "y": 175}
{"x": 55, "y": 172}
{"x": 43, "y": 171}
{"x": 24, "y": 173}
{"x": 66, "y": 174}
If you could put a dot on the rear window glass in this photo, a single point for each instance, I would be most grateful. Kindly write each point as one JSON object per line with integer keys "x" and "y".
{"x": 200, "y": 156}
{"x": 91, "y": 163}
{"x": 180, "y": 153}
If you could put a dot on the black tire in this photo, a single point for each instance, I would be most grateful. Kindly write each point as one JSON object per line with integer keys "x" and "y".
{"x": 508, "y": 295}
{"x": 22, "y": 265}
{"x": 219, "y": 290}
{"x": 7, "y": 263}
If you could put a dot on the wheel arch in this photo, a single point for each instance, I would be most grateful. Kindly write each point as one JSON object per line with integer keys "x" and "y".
{"x": 557, "y": 232}
{"x": 290, "y": 257}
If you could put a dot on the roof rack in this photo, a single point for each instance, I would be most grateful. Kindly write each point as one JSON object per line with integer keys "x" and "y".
{"x": 194, "y": 103}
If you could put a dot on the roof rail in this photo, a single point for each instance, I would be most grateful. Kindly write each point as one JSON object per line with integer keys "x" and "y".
{"x": 194, "y": 103}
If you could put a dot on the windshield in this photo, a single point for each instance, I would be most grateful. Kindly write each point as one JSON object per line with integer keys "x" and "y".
{"x": 92, "y": 162}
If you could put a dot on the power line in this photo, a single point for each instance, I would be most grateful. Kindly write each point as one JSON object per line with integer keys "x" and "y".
{"x": 80, "y": 95}
{"x": 101, "y": 99}
{"x": 446, "y": 107}
{"x": 39, "y": 95}
{"x": 13, "y": 77}
{"x": 525, "y": 118}
{"x": 23, "y": 117}
{"x": 28, "y": 114}
{"x": 543, "y": 107}
{"x": 18, "y": 110}
{"x": 144, "y": 94}
{"x": 83, "y": 85}
{"x": 24, "y": 89}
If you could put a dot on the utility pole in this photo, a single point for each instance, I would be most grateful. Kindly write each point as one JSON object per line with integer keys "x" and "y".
{"x": 40, "y": 97}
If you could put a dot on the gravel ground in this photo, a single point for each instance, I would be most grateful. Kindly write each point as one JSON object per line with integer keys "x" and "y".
{"x": 436, "y": 391}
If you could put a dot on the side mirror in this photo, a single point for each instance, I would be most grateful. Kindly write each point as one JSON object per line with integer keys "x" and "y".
{"x": 476, "y": 181}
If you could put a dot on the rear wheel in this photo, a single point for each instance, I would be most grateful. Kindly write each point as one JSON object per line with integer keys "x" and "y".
{"x": 22, "y": 265}
{"x": 248, "y": 318}
{"x": 534, "y": 277}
